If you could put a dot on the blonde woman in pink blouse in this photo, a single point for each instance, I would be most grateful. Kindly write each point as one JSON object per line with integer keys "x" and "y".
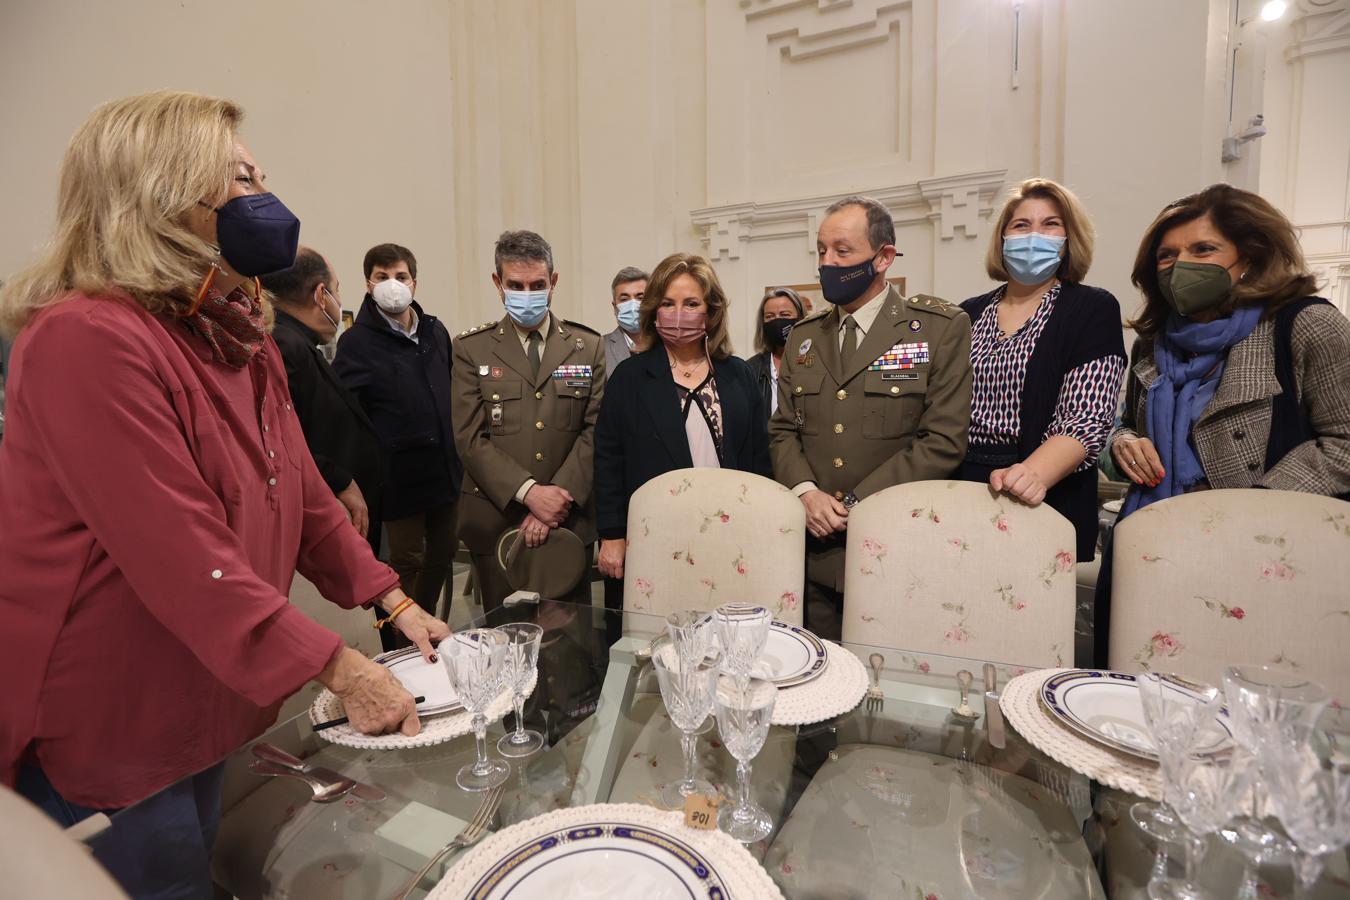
{"x": 157, "y": 497}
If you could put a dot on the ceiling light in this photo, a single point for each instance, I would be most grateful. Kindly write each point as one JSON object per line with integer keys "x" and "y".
{"x": 1273, "y": 10}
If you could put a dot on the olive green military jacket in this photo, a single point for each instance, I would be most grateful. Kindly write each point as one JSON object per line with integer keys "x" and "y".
{"x": 510, "y": 425}
{"x": 900, "y": 412}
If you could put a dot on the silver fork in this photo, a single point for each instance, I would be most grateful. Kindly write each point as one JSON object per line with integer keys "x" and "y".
{"x": 875, "y": 697}
{"x": 471, "y": 832}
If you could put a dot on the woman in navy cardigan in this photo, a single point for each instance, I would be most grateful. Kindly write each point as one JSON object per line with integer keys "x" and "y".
{"x": 683, "y": 402}
{"x": 1048, "y": 358}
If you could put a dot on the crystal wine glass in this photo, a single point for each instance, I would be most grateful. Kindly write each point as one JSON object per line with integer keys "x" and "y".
{"x": 475, "y": 660}
{"x": 743, "y": 630}
{"x": 1175, "y": 711}
{"x": 1266, "y": 703}
{"x": 522, "y": 656}
{"x": 694, "y": 635}
{"x": 687, "y": 685}
{"x": 744, "y": 710}
{"x": 1311, "y": 794}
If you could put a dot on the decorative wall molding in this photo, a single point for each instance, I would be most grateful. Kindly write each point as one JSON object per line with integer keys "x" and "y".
{"x": 1323, "y": 26}
{"x": 951, "y": 202}
{"x": 837, "y": 24}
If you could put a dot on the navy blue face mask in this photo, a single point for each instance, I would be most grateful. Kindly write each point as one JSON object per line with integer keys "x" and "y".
{"x": 257, "y": 234}
{"x": 842, "y": 285}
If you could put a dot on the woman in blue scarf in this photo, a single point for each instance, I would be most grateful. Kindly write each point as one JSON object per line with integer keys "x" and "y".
{"x": 1242, "y": 378}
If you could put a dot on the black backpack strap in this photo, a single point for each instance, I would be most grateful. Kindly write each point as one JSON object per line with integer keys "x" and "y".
{"x": 1288, "y": 425}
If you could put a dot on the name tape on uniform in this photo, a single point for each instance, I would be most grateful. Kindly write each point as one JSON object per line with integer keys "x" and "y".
{"x": 901, "y": 356}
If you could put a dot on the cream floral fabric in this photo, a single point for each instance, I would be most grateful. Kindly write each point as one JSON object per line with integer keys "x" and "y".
{"x": 947, "y": 568}
{"x": 699, "y": 538}
{"x": 1215, "y": 578}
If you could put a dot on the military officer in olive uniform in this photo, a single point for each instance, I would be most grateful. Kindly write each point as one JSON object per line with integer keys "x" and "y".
{"x": 873, "y": 392}
{"x": 525, "y": 393}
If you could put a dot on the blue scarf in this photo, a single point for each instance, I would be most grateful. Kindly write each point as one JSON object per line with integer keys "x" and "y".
{"x": 1184, "y": 353}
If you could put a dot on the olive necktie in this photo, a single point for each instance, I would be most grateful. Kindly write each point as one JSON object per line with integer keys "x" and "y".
{"x": 533, "y": 353}
{"x": 850, "y": 341}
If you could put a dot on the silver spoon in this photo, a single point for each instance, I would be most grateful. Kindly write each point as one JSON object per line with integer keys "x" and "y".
{"x": 323, "y": 793}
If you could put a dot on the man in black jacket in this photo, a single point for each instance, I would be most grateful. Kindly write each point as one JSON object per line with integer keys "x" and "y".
{"x": 339, "y": 433}
{"x": 396, "y": 360}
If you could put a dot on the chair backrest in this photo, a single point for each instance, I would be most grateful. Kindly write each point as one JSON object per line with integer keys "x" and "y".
{"x": 699, "y": 538}
{"x": 38, "y": 860}
{"x": 1215, "y": 578}
{"x": 947, "y": 567}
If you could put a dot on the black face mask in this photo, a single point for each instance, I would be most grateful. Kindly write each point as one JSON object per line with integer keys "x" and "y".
{"x": 257, "y": 234}
{"x": 842, "y": 285}
{"x": 776, "y": 331}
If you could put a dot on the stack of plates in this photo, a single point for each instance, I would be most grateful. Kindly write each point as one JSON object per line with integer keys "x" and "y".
{"x": 1105, "y": 707}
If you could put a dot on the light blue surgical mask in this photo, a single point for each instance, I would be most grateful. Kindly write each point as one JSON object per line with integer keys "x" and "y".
{"x": 627, "y": 312}
{"x": 1032, "y": 258}
{"x": 526, "y": 308}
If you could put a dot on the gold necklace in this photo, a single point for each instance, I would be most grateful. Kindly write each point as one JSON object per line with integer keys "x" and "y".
{"x": 689, "y": 372}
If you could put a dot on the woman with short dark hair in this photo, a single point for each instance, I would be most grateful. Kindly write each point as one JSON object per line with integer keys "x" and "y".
{"x": 1242, "y": 377}
{"x": 780, "y": 309}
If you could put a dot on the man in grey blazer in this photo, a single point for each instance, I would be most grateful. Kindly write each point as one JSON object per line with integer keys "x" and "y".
{"x": 626, "y": 292}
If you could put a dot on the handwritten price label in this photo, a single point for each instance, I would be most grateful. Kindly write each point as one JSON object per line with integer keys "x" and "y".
{"x": 700, "y": 811}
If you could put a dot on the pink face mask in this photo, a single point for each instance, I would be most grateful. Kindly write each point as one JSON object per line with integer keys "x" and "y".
{"x": 678, "y": 326}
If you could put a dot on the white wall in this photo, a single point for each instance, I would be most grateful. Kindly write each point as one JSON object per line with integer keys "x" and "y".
{"x": 626, "y": 130}
{"x": 349, "y": 118}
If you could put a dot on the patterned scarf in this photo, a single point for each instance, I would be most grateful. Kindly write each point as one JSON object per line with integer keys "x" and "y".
{"x": 232, "y": 326}
{"x": 1185, "y": 353}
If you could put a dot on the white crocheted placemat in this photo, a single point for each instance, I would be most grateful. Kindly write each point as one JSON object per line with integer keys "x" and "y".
{"x": 737, "y": 873}
{"x": 435, "y": 730}
{"x": 834, "y": 692}
{"x": 1021, "y": 704}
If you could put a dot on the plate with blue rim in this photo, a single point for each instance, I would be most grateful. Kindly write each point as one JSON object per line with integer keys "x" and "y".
{"x": 593, "y": 859}
{"x": 1105, "y": 707}
{"x": 794, "y": 655}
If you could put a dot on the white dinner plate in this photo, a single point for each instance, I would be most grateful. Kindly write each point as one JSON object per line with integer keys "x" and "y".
{"x": 601, "y": 860}
{"x": 422, "y": 679}
{"x": 794, "y": 655}
{"x": 1105, "y": 707}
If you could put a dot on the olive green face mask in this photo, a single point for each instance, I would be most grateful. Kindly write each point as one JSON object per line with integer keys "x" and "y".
{"x": 1190, "y": 287}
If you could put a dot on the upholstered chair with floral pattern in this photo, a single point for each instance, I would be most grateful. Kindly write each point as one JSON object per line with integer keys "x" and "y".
{"x": 948, "y": 568}
{"x": 1215, "y": 578}
{"x": 699, "y": 538}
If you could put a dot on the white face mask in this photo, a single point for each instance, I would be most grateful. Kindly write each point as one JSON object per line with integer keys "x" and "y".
{"x": 392, "y": 296}
{"x": 337, "y": 324}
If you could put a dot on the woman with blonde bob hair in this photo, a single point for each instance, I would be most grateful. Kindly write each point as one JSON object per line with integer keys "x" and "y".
{"x": 1047, "y": 357}
{"x": 684, "y": 401}
{"x": 159, "y": 497}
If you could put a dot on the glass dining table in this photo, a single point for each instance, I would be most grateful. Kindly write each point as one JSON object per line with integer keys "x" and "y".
{"x": 898, "y": 798}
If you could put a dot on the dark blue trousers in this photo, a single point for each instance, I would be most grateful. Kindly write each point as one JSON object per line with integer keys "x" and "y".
{"x": 158, "y": 849}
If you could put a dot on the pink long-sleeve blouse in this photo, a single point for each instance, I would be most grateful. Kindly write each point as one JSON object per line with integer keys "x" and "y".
{"x": 154, "y": 507}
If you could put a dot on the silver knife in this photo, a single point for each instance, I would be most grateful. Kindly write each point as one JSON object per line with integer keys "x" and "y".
{"x": 275, "y": 755}
{"x": 993, "y": 715}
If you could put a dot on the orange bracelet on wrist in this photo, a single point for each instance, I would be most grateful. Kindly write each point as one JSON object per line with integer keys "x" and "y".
{"x": 393, "y": 615}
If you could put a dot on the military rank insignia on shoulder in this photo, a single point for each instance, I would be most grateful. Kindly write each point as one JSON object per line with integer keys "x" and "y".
{"x": 935, "y": 305}
{"x": 476, "y": 329}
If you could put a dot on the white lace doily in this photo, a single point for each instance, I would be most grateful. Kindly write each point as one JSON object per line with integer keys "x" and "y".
{"x": 1021, "y": 705}
{"x": 834, "y": 692}
{"x": 742, "y": 877}
{"x": 436, "y": 730}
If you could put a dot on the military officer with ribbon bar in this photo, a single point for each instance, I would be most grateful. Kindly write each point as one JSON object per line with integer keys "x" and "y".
{"x": 525, "y": 395}
{"x": 873, "y": 392}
